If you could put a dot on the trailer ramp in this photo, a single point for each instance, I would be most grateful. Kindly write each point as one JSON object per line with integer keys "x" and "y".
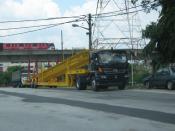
{"x": 64, "y": 73}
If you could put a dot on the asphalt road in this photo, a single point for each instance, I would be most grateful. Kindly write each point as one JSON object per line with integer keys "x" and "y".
{"x": 72, "y": 110}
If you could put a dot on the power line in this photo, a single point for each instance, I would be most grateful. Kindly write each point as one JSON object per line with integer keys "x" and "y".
{"x": 42, "y": 19}
{"x": 30, "y": 31}
{"x": 25, "y": 27}
{"x": 112, "y": 12}
{"x": 34, "y": 26}
{"x": 100, "y": 15}
{"x": 67, "y": 17}
{"x": 121, "y": 13}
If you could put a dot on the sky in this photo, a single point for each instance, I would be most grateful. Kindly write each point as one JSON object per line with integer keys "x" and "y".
{"x": 36, "y": 9}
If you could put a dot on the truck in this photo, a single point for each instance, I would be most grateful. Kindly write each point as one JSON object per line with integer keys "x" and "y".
{"x": 98, "y": 69}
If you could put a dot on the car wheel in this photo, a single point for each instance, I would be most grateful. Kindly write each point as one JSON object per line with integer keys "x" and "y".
{"x": 94, "y": 85}
{"x": 147, "y": 85}
{"x": 170, "y": 85}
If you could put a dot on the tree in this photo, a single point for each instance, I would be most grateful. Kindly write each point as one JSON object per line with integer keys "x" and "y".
{"x": 161, "y": 47}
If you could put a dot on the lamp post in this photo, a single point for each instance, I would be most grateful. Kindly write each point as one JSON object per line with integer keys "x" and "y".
{"x": 89, "y": 29}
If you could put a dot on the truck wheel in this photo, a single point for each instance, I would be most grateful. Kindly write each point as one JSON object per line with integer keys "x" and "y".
{"x": 80, "y": 83}
{"x": 170, "y": 85}
{"x": 121, "y": 87}
{"x": 94, "y": 85}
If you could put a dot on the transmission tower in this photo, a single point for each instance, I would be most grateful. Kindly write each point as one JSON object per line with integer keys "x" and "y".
{"x": 121, "y": 28}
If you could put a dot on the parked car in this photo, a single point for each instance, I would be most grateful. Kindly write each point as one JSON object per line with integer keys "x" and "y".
{"x": 164, "y": 77}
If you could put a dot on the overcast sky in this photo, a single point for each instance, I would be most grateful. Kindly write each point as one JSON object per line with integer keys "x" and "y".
{"x": 34, "y": 9}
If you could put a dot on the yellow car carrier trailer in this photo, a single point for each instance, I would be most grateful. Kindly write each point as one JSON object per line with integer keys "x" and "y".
{"x": 99, "y": 69}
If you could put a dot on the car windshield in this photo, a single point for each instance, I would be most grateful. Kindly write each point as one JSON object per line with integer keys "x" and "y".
{"x": 110, "y": 57}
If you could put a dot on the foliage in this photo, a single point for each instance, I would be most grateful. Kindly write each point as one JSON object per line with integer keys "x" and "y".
{"x": 148, "y": 4}
{"x": 139, "y": 73}
{"x": 5, "y": 77}
{"x": 161, "y": 47}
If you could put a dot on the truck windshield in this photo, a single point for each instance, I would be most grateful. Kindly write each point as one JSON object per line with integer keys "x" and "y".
{"x": 110, "y": 57}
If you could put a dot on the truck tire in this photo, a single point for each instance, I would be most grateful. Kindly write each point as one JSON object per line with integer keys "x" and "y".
{"x": 121, "y": 87}
{"x": 94, "y": 85}
{"x": 81, "y": 83}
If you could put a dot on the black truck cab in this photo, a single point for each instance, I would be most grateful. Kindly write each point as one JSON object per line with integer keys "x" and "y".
{"x": 108, "y": 68}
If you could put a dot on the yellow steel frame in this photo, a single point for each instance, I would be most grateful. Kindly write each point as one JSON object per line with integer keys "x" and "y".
{"x": 66, "y": 71}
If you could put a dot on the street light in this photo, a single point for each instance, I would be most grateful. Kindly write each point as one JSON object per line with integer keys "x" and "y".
{"x": 89, "y": 30}
{"x": 75, "y": 25}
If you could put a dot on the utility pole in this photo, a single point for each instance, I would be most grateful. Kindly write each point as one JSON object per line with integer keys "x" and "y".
{"x": 131, "y": 37}
{"x": 90, "y": 30}
{"x": 62, "y": 45}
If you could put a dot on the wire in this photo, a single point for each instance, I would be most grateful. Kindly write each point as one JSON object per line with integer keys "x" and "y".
{"x": 25, "y": 32}
{"x": 112, "y": 12}
{"x": 67, "y": 17}
{"x": 120, "y": 14}
{"x": 25, "y": 27}
{"x": 42, "y": 19}
{"x": 53, "y": 25}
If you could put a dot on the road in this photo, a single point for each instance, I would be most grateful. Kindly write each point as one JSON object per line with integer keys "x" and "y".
{"x": 72, "y": 110}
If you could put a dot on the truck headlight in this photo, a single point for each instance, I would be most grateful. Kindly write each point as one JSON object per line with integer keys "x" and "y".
{"x": 103, "y": 77}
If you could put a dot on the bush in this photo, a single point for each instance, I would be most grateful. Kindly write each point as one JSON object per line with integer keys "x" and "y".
{"x": 5, "y": 77}
{"x": 140, "y": 72}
